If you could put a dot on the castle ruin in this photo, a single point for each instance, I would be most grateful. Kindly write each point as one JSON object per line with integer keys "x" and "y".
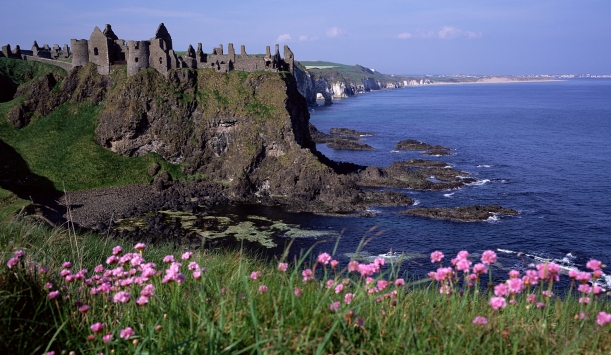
{"x": 106, "y": 50}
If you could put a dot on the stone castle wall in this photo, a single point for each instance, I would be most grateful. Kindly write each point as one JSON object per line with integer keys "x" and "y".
{"x": 105, "y": 49}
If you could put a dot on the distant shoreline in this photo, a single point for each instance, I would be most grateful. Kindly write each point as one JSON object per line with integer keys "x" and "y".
{"x": 495, "y": 80}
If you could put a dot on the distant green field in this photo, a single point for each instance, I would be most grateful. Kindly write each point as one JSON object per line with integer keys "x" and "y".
{"x": 322, "y": 64}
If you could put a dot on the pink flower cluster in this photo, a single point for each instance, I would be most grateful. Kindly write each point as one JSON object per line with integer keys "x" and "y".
{"x": 18, "y": 255}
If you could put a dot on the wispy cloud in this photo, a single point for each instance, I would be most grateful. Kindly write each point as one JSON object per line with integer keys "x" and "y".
{"x": 335, "y": 31}
{"x": 446, "y": 32}
{"x": 306, "y": 38}
{"x": 284, "y": 38}
{"x": 157, "y": 13}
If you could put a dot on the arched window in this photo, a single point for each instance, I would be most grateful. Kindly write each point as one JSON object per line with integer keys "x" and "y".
{"x": 136, "y": 59}
{"x": 95, "y": 51}
{"x": 160, "y": 60}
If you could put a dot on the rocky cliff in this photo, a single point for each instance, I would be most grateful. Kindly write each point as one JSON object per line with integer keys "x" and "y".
{"x": 345, "y": 81}
{"x": 248, "y": 133}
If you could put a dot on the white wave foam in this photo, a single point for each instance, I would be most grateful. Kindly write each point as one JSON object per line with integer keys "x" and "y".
{"x": 373, "y": 210}
{"x": 448, "y": 167}
{"x": 416, "y": 202}
{"x": 479, "y": 182}
{"x": 484, "y": 166}
{"x": 494, "y": 218}
{"x": 449, "y": 195}
{"x": 395, "y": 151}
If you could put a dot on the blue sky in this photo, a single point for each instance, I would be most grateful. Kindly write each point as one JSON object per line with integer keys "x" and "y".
{"x": 393, "y": 36}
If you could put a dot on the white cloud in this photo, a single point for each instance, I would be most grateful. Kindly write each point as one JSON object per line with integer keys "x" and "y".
{"x": 306, "y": 38}
{"x": 283, "y": 38}
{"x": 446, "y": 32}
{"x": 335, "y": 31}
{"x": 404, "y": 35}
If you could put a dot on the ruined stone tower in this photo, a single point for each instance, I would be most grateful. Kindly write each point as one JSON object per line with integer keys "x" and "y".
{"x": 138, "y": 56}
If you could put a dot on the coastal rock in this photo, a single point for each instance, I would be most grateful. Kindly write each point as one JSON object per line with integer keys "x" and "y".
{"x": 349, "y": 132}
{"x": 348, "y": 144}
{"x": 412, "y": 144}
{"x": 414, "y": 174}
{"x": 476, "y": 213}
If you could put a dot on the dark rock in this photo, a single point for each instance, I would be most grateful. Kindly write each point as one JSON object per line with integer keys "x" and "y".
{"x": 412, "y": 144}
{"x": 347, "y": 144}
{"x": 475, "y": 213}
{"x": 153, "y": 169}
{"x": 349, "y": 132}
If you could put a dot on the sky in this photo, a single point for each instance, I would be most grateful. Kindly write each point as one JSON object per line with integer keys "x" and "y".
{"x": 487, "y": 37}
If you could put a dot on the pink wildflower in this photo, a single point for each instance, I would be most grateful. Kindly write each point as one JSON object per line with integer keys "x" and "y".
{"x": 549, "y": 271}
{"x": 531, "y": 298}
{"x": 399, "y": 282}
{"x": 547, "y": 293}
{"x": 339, "y": 288}
{"x": 334, "y": 263}
{"x": 19, "y": 254}
{"x": 584, "y": 300}
{"x": 540, "y": 305}
{"x": 462, "y": 255}
{"x": 324, "y": 258}
{"x": 463, "y": 265}
{"x": 488, "y": 257}
{"x": 97, "y": 327}
{"x": 480, "y": 320}
{"x": 12, "y": 262}
{"x": 603, "y": 318}
{"x": 255, "y": 275}
{"x": 168, "y": 259}
{"x": 436, "y": 256}
{"x": 282, "y": 267}
{"x": 140, "y": 247}
{"x": 186, "y": 256}
{"x": 379, "y": 261}
{"x": 513, "y": 274}
{"x": 515, "y": 285}
{"x": 597, "y": 273}
{"x": 122, "y": 297}
{"x": 262, "y": 289}
{"x": 583, "y": 277}
{"x": 584, "y": 288}
{"x": 53, "y": 295}
{"x": 84, "y": 308}
{"x": 479, "y": 268}
{"x": 117, "y": 250}
{"x": 369, "y": 280}
{"x": 107, "y": 338}
{"x": 597, "y": 289}
{"x": 381, "y": 284}
{"x": 573, "y": 273}
{"x": 297, "y": 292}
{"x": 531, "y": 278}
{"x": 113, "y": 259}
{"x": 330, "y": 283}
{"x": 501, "y": 290}
{"x": 353, "y": 266}
{"x": 348, "y": 298}
{"x": 48, "y": 286}
{"x": 67, "y": 265}
{"x": 142, "y": 300}
{"x": 594, "y": 264}
{"x": 197, "y": 274}
{"x": 193, "y": 266}
{"x": 497, "y": 303}
{"x": 308, "y": 275}
{"x": 126, "y": 333}
{"x": 334, "y": 306}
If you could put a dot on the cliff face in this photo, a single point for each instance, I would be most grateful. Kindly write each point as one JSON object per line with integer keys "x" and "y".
{"x": 333, "y": 84}
{"x": 246, "y": 132}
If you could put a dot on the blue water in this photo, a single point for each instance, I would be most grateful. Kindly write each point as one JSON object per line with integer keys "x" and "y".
{"x": 542, "y": 148}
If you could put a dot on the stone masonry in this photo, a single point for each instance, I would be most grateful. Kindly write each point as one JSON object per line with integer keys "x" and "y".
{"x": 105, "y": 49}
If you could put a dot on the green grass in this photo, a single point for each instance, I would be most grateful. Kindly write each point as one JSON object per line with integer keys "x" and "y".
{"x": 61, "y": 147}
{"x": 226, "y": 311}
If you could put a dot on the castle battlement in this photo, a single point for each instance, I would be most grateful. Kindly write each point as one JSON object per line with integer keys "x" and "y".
{"x": 105, "y": 49}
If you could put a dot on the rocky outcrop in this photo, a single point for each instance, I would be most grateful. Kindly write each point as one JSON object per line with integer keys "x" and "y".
{"x": 305, "y": 85}
{"x": 428, "y": 149}
{"x": 414, "y": 174}
{"x": 475, "y": 213}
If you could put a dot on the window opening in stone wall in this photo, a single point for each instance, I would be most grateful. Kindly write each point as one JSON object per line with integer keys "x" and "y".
{"x": 136, "y": 59}
{"x": 95, "y": 51}
{"x": 160, "y": 60}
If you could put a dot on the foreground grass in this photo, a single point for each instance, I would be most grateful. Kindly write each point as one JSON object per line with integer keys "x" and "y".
{"x": 240, "y": 304}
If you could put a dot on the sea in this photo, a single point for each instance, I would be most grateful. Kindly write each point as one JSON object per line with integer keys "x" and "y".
{"x": 542, "y": 148}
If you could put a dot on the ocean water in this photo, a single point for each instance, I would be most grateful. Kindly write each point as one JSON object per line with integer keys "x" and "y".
{"x": 542, "y": 148}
